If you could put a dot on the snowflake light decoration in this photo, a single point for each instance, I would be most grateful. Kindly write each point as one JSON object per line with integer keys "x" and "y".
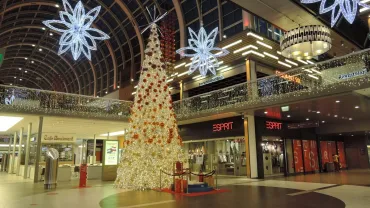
{"x": 348, "y": 8}
{"x": 203, "y": 45}
{"x": 76, "y": 30}
{"x": 154, "y": 18}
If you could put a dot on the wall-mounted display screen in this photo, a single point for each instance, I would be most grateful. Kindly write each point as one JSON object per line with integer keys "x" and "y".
{"x": 111, "y": 153}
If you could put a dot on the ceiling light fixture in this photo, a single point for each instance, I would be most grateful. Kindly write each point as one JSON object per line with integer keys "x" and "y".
{"x": 322, "y": 121}
{"x": 33, "y": 45}
{"x": 117, "y": 133}
{"x": 232, "y": 44}
{"x": 338, "y": 101}
{"x": 25, "y": 71}
{"x": 291, "y": 62}
{"x": 265, "y": 112}
{"x": 310, "y": 62}
{"x": 307, "y": 40}
{"x": 288, "y": 116}
{"x": 284, "y": 64}
{"x": 264, "y": 44}
{"x": 335, "y": 116}
{"x": 226, "y": 69}
{"x": 245, "y": 48}
{"x": 254, "y": 35}
{"x": 224, "y": 36}
{"x": 180, "y": 65}
{"x": 20, "y": 69}
{"x": 307, "y": 119}
{"x": 7, "y": 122}
{"x": 271, "y": 56}
{"x": 312, "y": 76}
{"x": 253, "y": 52}
{"x": 357, "y": 107}
{"x": 182, "y": 74}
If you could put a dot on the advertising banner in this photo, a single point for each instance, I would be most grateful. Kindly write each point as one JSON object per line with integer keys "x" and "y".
{"x": 310, "y": 155}
{"x": 111, "y": 153}
{"x": 314, "y": 155}
{"x": 298, "y": 160}
{"x": 342, "y": 155}
{"x": 324, "y": 153}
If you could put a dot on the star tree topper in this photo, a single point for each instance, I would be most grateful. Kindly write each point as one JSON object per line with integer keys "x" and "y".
{"x": 77, "y": 34}
{"x": 154, "y": 19}
{"x": 203, "y": 45}
{"x": 348, "y": 8}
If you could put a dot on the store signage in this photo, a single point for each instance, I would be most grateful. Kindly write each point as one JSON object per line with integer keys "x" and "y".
{"x": 111, "y": 153}
{"x": 2, "y": 52}
{"x": 58, "y": 138}
{"x": 353, "y": 74}
{"x": 214, "y": 79}
{"x": 223, "y": 127}
{"x": 288, "y": 77}
{"x": 272, "y": 125}
{"x": 304, "y": 125}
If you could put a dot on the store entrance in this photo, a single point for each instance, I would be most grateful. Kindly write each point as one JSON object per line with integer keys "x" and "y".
{"x": 226, "y": 155}
{"x": 273, "y": 156}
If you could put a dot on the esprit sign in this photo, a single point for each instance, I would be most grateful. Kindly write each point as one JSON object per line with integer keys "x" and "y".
{"x": 273, "y": 125}
{"x": 223, "y": 127}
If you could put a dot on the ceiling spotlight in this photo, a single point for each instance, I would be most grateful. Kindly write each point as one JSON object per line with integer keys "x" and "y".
{"x": 106, "y": 92}
{"x": 307, "y": 119}
{"x": 132, "y": 80}
{"x": 26, "y": 58}
{"x": 338, "y": 101}
{"x": 97, "y": 96}
{"x": 224, "y": 36}
{"x": 335, "y": 116}
{"x": 118, "y": 86}
{"x": 20, "y": 79}
{"x": 318, "y": 112}
{"x": 265, "y": 112}
{"x": 11, "y": 84}
{"x": 51, "y": 34}
{"x": 57, "y": 5}
{"x": 32, "y": 62}
{"x": 20, "y": 68}
{"x": 322, "y": 121}
{"x": 340, "y": 134}
{"x": 43, "y": 28}
{"x": 350, "y": 119}
{"x": 40, "y": 49}
{"x": 288, "y": 116}
{"x": 25, "y": 71}
{"x": 352, "y": 135}
{"x": 357, "y": 107}
{"x": 33, "y": 45}
{"x": 15, "y": 77}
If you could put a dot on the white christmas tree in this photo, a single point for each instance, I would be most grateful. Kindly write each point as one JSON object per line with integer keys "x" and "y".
{"x": 152, "y": 142}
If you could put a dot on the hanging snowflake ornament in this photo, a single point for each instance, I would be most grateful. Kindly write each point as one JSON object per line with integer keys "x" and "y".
{"x": 77, "y": 34}
{"x": 348, "y": 8}
{"x": 154, "y": 19}
{"x": 203, "y": 45}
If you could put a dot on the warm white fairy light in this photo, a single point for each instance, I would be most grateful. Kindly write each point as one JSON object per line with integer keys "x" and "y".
{"x": 348, "y": 8}
{"x": 203, "y": 46}
{"x": 77, "y": 34}
{"x": 152, "y": 142}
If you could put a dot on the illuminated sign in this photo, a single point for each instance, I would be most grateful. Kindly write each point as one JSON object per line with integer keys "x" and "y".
{"x": 110, "y": 152}
{"x": 353, "y": 74}
{"x": 289, "y": 77}
{"x": 273, "y": 125}
{"x": 223, "y": 127}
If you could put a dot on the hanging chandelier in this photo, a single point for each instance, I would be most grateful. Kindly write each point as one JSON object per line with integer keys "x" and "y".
{"x": 306, "y": 42}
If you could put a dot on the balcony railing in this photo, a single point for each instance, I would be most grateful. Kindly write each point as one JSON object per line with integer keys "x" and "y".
{"x": 339, "y": 75}
{"x": 41, "y": 102}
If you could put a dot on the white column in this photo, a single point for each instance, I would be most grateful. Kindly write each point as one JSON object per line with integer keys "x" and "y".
{"x": 38, "y": 150}
{"x": 13, "y": 153}
{"x": 27, "y": 148}
{"x": 94, "y": 152}
{"x": 19, "y": 151}
{"x": 252, "y": 146}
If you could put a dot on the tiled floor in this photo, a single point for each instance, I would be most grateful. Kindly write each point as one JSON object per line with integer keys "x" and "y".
{"x": 311, "y": 191}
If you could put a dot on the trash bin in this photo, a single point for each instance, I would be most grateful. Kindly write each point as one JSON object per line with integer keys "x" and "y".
{"x": 51, "y": 169}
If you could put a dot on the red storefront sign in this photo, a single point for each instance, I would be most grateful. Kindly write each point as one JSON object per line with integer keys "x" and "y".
{"x": 273, "y": 125}
{"x": 83, "y": 175}
{"x": 298, "y": 160}
{"x": 223, "y": 127}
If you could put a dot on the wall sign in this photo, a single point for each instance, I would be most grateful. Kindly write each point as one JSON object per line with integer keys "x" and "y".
{"x": 353, "y": 74}
{"x": 214, "y": 79}
{"x": 223, "y": 126}
{"x": 55, "y": 138}
{"x": 289, "y": 77}
{"x": 304, "y": 125}
{"x": 272, "y": 125}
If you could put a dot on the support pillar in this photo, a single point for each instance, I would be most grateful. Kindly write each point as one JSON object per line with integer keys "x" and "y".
{"x": 250, "y": 70}
{"x": 181, "y": 84}
{"x": 19, "y": 151}
{"x": 27, "y": 148}
{"x": 94, "y": 152}
{"x": 38, "y": 150}
{"x": 251, "y": 146}
{"x": 13, "y": 153}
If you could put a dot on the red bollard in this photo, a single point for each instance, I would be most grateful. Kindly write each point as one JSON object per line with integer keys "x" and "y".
{"x": 83, "y": 175}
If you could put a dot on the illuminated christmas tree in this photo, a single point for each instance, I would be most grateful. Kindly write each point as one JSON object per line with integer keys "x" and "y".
{"x": 152, "y": 142}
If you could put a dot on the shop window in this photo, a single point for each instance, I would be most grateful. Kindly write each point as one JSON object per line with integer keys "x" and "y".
{"x": 298, "y": 159}
{"x": 328, "y": 148}
{"x": 342, "y": 155}
{"x": 310, "y": 154}
{"x": 273, "y": 156}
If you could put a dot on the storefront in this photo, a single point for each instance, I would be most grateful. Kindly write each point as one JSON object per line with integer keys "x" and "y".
{"x": 286, "y": 148}
{"x": 217, "y": 144}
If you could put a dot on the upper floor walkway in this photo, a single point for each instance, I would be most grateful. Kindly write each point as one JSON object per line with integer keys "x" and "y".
{"x": 334, "y": 77}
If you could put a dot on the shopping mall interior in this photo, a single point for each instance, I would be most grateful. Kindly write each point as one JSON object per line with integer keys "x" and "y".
{"x": 184, "y": 103}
